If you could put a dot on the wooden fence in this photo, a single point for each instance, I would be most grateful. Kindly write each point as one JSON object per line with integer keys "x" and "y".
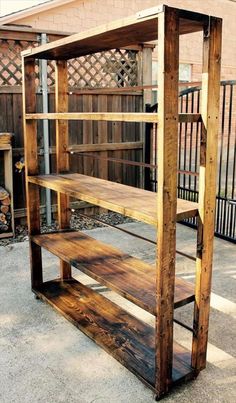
{"x": 115, "y": 68}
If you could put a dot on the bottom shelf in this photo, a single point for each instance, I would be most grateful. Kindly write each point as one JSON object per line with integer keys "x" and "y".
{"x": 126, "y": 338}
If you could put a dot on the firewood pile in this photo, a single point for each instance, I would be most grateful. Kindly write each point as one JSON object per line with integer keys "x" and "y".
{"x": 5, "y": 211}
{"x": 5, "y": 138}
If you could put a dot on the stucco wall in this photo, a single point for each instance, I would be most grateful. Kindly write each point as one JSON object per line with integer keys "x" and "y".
{"x": 81, "y": 15}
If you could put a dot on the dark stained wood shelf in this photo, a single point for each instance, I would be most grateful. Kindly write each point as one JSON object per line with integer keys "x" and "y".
{"x": 126, "y": 338}
{"x": 130, "y": 277}
{"x": 127, "y": 200}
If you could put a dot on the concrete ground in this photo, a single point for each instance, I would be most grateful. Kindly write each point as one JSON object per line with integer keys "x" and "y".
{"x": 44, "y": 358}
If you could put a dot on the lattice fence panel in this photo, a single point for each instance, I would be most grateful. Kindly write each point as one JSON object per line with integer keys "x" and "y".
{"x": 10, "y": 60}
{"x": 114, "y": 68}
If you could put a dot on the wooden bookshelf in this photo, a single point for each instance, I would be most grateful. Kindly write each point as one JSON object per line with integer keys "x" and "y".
{"x": 149, "y": 352}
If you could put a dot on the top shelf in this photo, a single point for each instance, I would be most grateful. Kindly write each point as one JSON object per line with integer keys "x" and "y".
{"x": 133, "y": 30}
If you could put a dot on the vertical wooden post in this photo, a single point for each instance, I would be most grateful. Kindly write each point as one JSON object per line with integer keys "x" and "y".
{"x": 103, "y": 137}
{"x": 62, "y": 158}
{"x": 168, "y": 71}
{"x": 116, "y": 106}
{"x": 31, "y": 168}
{"x": 207, "y": 187}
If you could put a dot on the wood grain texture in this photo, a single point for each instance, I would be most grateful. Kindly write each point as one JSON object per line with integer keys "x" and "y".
{"x": 103, "y": 138}
{"x": 132, "y": 202}
{"x": 136, "y": 29}
{"x": 111, "y": 116}
{"x": 62, "y": 158}
{"x": 101, "y": 147}
{"x": 168, "y": 70}
{"x": 130, "y": 277}
{"x": 126, "y": 338}
{"x": 31, "y": 168}
{"x": 207, "y": 187}
{"x": 117, "y": 136}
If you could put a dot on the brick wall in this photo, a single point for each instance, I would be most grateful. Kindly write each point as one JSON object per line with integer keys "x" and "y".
{"x": 81, "y": 15}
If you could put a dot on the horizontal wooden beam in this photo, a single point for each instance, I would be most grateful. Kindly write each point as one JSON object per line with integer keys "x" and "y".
{"x": 134, "y": 145}
{"x": 111, "y": 117}
{"x": 82, "y": 148}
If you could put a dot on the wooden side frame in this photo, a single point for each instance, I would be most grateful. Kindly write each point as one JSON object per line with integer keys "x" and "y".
{"x": 207, "y": 187}
{"x": 31, "y": 168}
{"x": 62, "y": 157}
{"x": 168, "y": 73}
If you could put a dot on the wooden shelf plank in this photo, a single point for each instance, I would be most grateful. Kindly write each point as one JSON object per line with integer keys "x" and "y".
{"x": 126, "y": 338}
{"x": 111, "y": 116}
{"x": 136, "y": 29}
{"x": 130, "y": 277}
{"x": 127, "y": 200}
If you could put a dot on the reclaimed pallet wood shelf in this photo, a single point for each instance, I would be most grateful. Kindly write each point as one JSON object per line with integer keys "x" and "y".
{"x": 127, "y": 200}
{"x": 149, "y": 352}
{"x": 112, "y": 268}
{"x": 130, "y": 341}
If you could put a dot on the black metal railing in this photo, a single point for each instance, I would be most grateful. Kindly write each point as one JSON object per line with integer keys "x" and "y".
{"x": 189, "y": 155}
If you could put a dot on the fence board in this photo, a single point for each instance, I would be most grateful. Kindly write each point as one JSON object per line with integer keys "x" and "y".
{"x": 79, "y": 133}
{"x": 189, "y": 154}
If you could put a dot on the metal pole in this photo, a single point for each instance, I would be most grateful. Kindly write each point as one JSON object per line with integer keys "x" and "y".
{"x": 44, "y": 87}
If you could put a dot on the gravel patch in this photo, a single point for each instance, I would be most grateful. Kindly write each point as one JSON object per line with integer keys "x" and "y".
{"x": 78, "y": 223}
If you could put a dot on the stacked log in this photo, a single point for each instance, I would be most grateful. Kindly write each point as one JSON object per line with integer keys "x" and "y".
{"x": 5, "y": 138}
{"x": 5, "y": 211}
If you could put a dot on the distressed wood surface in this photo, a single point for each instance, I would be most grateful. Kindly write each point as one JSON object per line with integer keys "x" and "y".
{"x": 62, "y": 158}
{"x": 101, "y": 147}
{"x": 167, "y": 156}
{"x": 207, "y": 187}
{"x": 112, "y": 116}
{"x": 136, "y": 29}
{"x": 31, "y": 168}
{"x": 126, "y": 338}
{"x": 130, "y": 277}
{"x": 132, "y": 202}
{"x": 102, "y": 137}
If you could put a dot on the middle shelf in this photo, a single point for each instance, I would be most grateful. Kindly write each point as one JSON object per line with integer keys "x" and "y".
{"x": 128, "y": 276}
{"x": 127, "y": 200}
